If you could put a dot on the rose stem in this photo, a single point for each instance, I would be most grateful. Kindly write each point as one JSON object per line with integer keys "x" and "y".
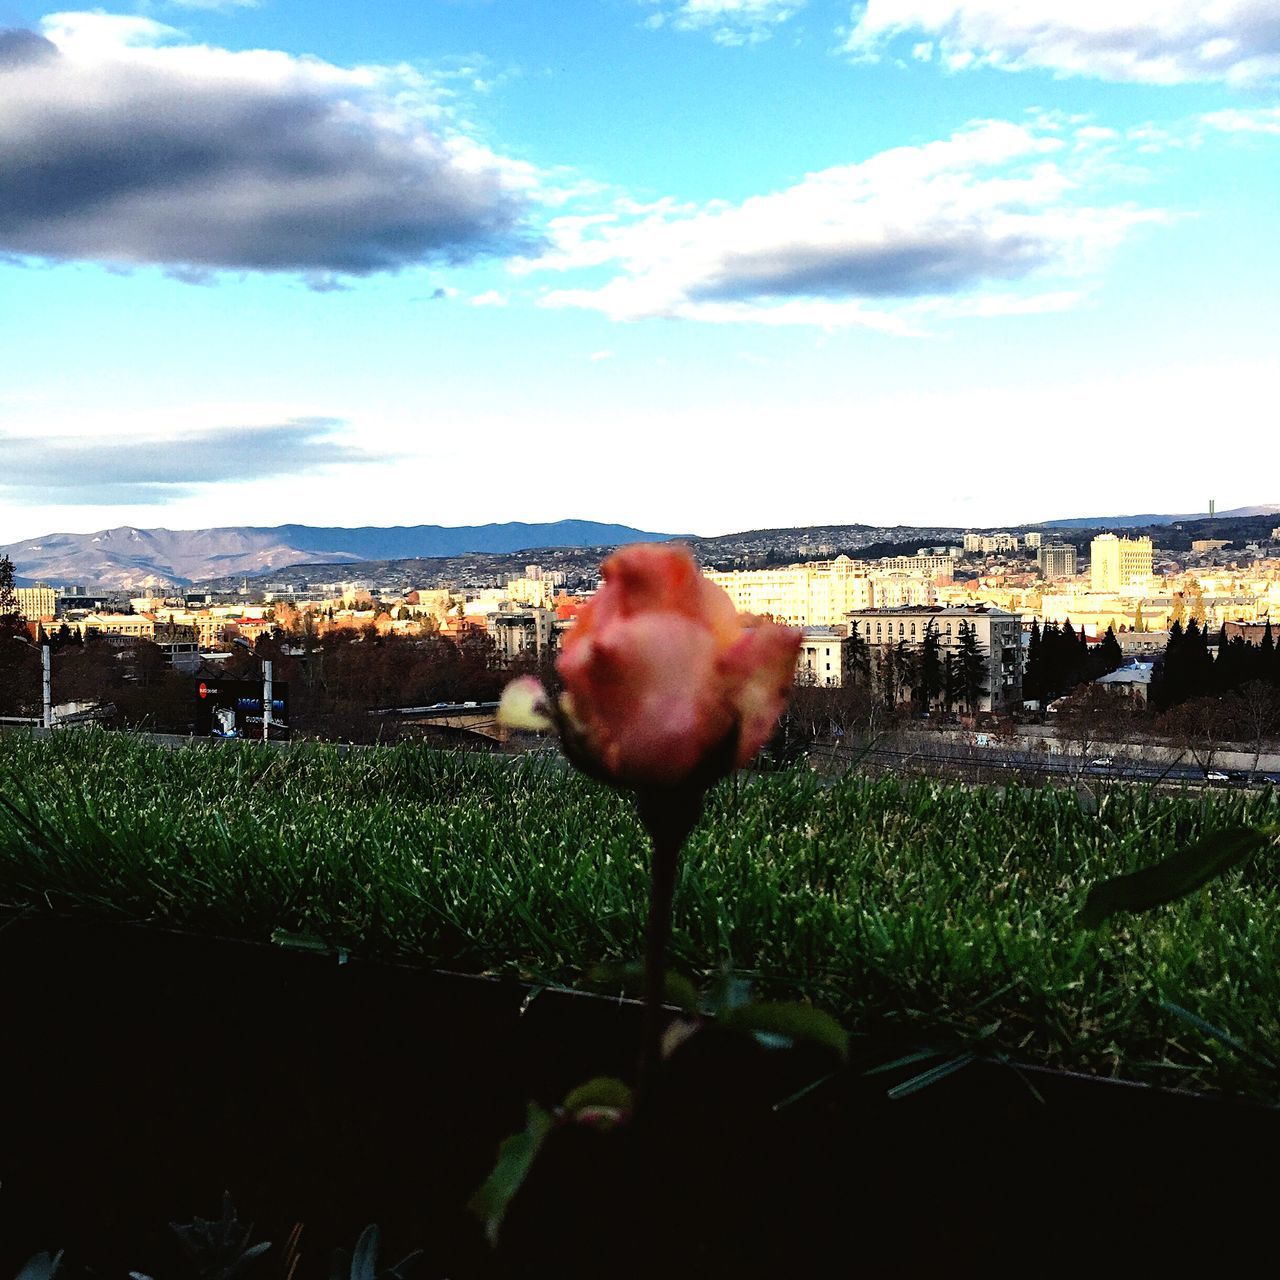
{"x": 666, "y": 857}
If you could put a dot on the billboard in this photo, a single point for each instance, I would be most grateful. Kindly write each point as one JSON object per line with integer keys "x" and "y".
{"x": 233, "y": 709}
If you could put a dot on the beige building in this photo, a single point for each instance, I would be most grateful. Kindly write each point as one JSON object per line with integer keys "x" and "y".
{"x": 940, "y": 568}
{"x": 825, "y": 657}
{"x": 998, "y": 633}
{"x": 135, "y": 626}
{"x": 989, "y": 543}
{"x": 35, "y": 603}
{"x": 818, "y": 594}
{"x": 1119, "y": 563}
{"x": 537, "y": 593}
{"x": 893, "y": 590}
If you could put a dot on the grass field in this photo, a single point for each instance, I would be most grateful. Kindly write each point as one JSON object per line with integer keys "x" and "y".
{"x": 916, "y": 908}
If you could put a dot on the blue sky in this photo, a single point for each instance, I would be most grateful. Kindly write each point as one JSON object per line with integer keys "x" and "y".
{"x": 694, "y": 265}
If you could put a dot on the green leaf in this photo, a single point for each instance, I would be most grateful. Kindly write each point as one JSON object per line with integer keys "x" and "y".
{"x": 1179, "y": 874}
{"x": 515, "y": 1159}
{"x": 790, "y": 1022}
{"x": 603, "y": 1091}
{"x": 299, "y": 941}
{"x": 1217, "y": 1033}
{"x": 628, "y": 980}
{"x": 41, "y": 1266}
{"x": 728, "y": 991}
{"x": 932, "y": 1076}
{"x": 364, "y": 1261}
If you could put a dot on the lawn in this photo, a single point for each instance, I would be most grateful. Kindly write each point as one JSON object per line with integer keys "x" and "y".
{"x": 910, "y": 909}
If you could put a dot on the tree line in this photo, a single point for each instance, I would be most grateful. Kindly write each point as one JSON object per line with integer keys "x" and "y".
{"x": 1193, "y": 666}
{"x": 1060, "y": 659}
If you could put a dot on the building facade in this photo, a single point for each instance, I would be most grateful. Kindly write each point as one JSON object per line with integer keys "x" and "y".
{"x": 518, "y": 632}
{"x": 1119, "y": 563}
{"x": 825, "y": 657}
{"x": 1057, "y": 560}
{"x": 35, "y": 603}
{"x": 998, "y": 634}
{"x": 818, "y": 594}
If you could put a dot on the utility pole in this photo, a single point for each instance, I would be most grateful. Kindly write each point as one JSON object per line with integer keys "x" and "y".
{"x": 267, "y": 698}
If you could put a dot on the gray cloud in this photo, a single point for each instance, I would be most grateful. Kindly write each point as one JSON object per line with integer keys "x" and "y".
{"x": 941, "y": 263}
{"x": 202, "y": 159}
{"x": 20, "y": 48}
{"x": 78, "y": 470}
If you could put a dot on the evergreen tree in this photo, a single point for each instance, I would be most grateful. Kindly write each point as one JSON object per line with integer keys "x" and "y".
{"x": 10, "y": 618}
{"x": 930, "y": 677}
{"x": 1166, "y": 679}
{"x": 1199, "y": 661}
{"x": 1033, "y": 676}
{"x": 973, "y": 667}
{"x": 950, "y": 682}
{"x": 859, "y": 656}
{"x": 1110, "y": 655}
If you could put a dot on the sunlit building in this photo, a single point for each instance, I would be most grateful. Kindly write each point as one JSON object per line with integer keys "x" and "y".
{"x": 1118, "y": 563}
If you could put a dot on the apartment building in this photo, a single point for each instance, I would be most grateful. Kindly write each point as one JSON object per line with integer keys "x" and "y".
{"x": 998, "y": 634}
{"x": 526, "y": 631}
{"x": 35, "y": 603}
{"x": 1119, "y": 563}
{"x": 818, "y": 594}
{"x": 989, "y": 543}
{"x": 1056, "y": 560}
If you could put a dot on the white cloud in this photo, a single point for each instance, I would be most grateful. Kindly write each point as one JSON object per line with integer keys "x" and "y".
{"x": 122, "y": 142}
{"x": 1265, "y": 120}
{"x": 491, "y": 298}
{"x": 993, "y": 211}
{"x": 596, "y": 356}
{"x": 1148, "y": 41}
{"x": 213, "y": 5}
{"x": 729, "y": 22}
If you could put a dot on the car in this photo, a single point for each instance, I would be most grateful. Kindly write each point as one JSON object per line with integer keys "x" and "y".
{"x": 1102, "y": 762}
{"x": 1216, "y": 775}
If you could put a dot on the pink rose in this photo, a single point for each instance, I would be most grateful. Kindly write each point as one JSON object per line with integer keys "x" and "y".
{"x": 664, "y": 679}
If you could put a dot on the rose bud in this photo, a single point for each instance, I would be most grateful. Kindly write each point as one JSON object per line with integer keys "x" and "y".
{"x": 665, "y": 682}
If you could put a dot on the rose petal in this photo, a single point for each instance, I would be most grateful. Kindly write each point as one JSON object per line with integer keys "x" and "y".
{"x": 760, "y": 668}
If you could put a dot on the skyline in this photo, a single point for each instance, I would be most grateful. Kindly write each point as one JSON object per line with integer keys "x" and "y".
{"x": 886, "y": 264}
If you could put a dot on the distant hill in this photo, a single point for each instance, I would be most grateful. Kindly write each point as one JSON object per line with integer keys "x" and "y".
{"x": 1141, "y": 521}
{"x": 141, "y": 559}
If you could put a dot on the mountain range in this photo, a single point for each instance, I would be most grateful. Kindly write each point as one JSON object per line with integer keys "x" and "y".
{"x": 129, "y": 558}
{"x": 1141, "y": 521}
{"x": 142, "y": 559}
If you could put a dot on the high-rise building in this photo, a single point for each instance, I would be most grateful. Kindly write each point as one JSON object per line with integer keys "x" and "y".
{"x": 34, "y": 603}
{"x": 1117, "y": 563}
{"x": 1057, "y": 560}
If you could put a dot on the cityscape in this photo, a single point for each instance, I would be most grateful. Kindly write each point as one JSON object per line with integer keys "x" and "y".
{"x": 999, "y": 585}
{"x": 638, "y": 638}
